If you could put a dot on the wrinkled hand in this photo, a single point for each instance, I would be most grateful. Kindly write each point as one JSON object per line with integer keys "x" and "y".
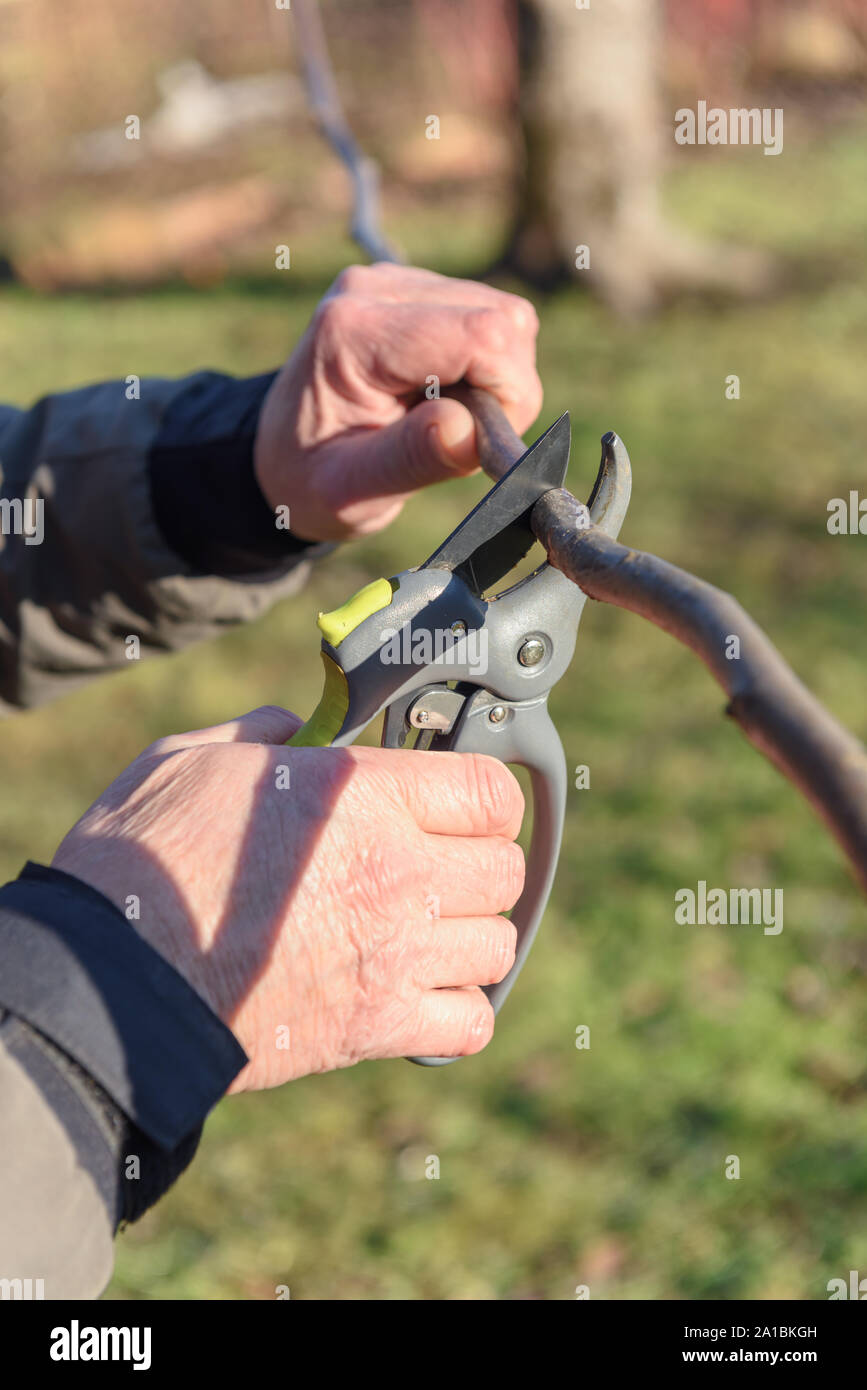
{"x": 346, "y": 434}
{"x": 306, "y": 915}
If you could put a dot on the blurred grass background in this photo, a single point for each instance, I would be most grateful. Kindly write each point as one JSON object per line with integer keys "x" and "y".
{"x": 559, "y": 1167}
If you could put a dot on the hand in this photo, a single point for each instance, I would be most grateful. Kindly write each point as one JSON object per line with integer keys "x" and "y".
{"x": 305, "y": 915}
{"x": 345, "y": 434}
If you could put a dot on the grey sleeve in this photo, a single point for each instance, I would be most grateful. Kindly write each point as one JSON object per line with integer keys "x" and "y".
{"x": 109, "y": 1064}
{"x": 83, "y": 562}
{"x": 55, "y": 1228}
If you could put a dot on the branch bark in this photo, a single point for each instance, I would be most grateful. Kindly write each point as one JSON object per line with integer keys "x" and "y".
{"x": 776, "y": 711}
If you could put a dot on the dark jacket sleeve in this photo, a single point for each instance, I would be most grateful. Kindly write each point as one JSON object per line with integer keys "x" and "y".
{"x": 109, "y": 1064}
{"x": 131, "y": 510}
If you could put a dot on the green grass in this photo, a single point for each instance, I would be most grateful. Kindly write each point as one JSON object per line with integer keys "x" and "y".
{"x": 561, "y": 1167}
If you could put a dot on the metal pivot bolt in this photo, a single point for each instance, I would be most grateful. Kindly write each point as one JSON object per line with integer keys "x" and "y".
{"x": 497, "y": 714}
{"x": 531, "y": 652}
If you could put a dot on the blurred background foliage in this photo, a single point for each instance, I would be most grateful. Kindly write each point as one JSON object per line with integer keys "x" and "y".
{"x": 559, "y": 1167}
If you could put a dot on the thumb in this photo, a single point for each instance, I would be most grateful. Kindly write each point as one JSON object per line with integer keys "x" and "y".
{"x": 433, "y": 441}
{"x": 269, "y": 724}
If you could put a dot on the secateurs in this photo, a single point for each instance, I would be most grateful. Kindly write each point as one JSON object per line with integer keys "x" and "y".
{"x": 457, "y": 667}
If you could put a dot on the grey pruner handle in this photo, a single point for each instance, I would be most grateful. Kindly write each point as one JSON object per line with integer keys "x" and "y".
{"x": 526, "y": 736}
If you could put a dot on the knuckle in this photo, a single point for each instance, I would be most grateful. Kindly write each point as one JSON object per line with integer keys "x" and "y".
{"x": 528, "y": 316}
{"x": 522, "y": 314}
{"x": 487, "y": 785}
{"x": 491, "y": 328}
{"x": 157, "y": 749}
{"x": 334, "y": 316}
{"x": 162, "y": 747}
{"x": 494, "y": 788}
{"x": 271, "y": 720}
{"x": 353, "y": 277}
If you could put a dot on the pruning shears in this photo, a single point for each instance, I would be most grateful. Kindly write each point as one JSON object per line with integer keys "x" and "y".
{"x": 455, "y": 666}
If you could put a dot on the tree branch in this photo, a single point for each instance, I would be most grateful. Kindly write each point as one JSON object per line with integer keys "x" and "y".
{"x": 773, "y": 707}
{"x": 775, "y": 710}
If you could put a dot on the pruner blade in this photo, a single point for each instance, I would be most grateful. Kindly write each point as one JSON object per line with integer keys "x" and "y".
{"x": 496, "y": 534}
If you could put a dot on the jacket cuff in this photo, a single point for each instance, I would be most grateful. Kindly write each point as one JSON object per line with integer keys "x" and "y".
{"x": 205, "y": 496}
{"x": 75, "y": 969}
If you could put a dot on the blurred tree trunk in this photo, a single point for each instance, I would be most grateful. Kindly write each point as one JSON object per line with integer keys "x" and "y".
{"x": 595, "y": 141}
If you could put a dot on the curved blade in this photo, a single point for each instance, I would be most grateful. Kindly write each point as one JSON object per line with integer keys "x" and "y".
{"x": 496, "y": 534}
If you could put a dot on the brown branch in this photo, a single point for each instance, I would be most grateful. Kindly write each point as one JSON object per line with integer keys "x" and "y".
{"x": 774, "y": 709}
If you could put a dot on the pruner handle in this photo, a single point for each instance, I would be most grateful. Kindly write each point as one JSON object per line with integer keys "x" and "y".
{"x": 521, "y": 733}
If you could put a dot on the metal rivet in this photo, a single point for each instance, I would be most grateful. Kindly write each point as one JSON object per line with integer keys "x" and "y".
{"x": 497, "y": 714}
{"x": 531, "y": 652}
{"x": 423, "y": 716}
{"x": 459, "y": 628}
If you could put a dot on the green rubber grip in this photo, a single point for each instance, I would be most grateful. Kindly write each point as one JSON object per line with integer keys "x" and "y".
{"x": 326, "y": 721}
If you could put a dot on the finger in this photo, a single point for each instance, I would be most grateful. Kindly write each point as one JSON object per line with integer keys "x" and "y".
{"x": 446, "y": 1023}
{"x": 470, "y": 876}
{"x": 268, "y": 724}
{"x": 366, "y": 475}
{"x": 450, "y": 793}
{"x": 383, "y": 280}
{"x": 394, "y": 348}
{"x": 464, "y": 951}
